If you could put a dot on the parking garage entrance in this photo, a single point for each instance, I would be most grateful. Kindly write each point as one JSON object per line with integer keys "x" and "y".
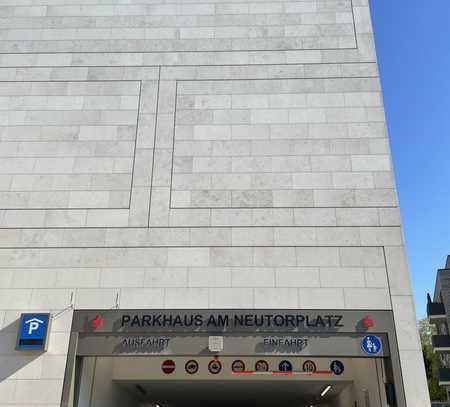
{"x": 177, "y": 358}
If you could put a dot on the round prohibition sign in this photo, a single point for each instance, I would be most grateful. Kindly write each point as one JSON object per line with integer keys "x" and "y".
{"x": 309, "y": 367}
{"x": 261, "y": 366}
{"x": 215, "y": 367}
{"x": 168, "y": 366}
{"x": 191, "y": 367}
{"x": 238, "y": 366}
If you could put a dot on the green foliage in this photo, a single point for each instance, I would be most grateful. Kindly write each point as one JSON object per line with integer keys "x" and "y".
{"x": 432, "y": 361}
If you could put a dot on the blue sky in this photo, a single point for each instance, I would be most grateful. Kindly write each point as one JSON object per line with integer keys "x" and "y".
{"x": 413, "y": 49}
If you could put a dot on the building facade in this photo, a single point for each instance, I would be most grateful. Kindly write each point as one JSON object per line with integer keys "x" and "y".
{"x": 167, "y": 156}
{"x": 438, "y": 315}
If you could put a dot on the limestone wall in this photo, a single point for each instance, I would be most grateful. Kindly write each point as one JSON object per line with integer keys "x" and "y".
{"x": 176, "y": 154}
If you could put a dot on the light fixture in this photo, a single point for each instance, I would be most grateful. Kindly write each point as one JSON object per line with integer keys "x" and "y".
{"x": 215, "y": 344}
{"x": 325, "y": 391}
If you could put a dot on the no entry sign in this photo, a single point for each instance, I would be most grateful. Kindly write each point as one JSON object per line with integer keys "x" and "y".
{"x": 168, "y": 366}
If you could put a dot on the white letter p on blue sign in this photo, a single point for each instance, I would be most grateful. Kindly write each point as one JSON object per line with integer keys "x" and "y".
{"x": 33, "y": 330}
{"x": 33, "y": 325}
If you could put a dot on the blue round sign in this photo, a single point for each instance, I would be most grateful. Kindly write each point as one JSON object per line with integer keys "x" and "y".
{"x": 371, "y": 345}
{"x": 285, "y": 366}
{"x": 337, "y": 367}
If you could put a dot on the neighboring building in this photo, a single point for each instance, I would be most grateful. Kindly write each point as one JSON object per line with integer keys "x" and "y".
{"x": 199, "y": 193}
{"x": 438, "y": 311}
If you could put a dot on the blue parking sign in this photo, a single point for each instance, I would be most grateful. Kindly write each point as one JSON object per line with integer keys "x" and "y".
{"x": 33, "y": 330}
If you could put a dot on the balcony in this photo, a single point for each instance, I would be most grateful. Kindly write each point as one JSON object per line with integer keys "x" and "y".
{"x": 444, "y": 376}
{"x": 441, "y": 343}
{"x": 436, "y": 312}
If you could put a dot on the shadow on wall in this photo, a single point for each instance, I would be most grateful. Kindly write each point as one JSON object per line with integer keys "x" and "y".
{"x": 12, "y": 361}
